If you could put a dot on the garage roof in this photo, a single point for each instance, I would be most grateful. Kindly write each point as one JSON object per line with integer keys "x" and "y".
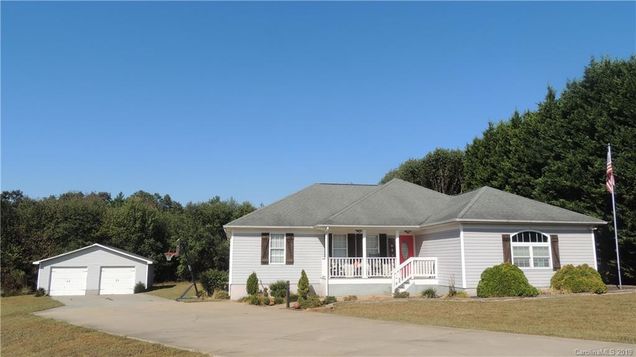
{"x": 112, "y": 249}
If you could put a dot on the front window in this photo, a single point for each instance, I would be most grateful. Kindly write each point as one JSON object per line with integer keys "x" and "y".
{"x": 373, "y": 246}
{"x": 339, "y": 245}
{"x": 277, "y": 248}
{"x": 530, "y": 250}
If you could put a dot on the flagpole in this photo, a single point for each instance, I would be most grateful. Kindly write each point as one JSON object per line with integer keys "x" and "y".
{"x": 618, "y": 259}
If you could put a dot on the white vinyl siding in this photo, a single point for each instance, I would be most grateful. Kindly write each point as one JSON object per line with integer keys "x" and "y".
{"x": 277, "y": 248}
{"x": 246, "y": 253}
{"x": 445, "y": 245}
{"x": 483, "y": 249}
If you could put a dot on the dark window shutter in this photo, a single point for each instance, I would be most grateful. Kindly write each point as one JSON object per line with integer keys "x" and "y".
{"x": 351, "y": 245}
{"x": 505, "y": 242}
{"x": 382, "y": 244}
{"x": 330, "y": 244}
{"x": 289, "y": 249}
{"x": 556, "y": 258}
{"x": 391, "y": 247}
{"x": 264, "y": 248}
{"x": 358, "y": 245}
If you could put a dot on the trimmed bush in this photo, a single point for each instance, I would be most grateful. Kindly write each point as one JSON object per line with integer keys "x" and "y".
{"x": 40, "y": 292}
{"x": 578, "y": 279}
{"x": 279, "y": 300}
{"x": 303, "y": 285}
{"x": 139, "y": 287}
{"x": 429, "y": 293}
{"x": 220, "y": 295}
{"x": 252, "y": 284}
{"x": 254, "y": 300}
{"x": 212, "y": 280}
{"x": 309, "y": 302}
{"x": 401, "y": 295}
{"x": 329, "y": 300}
{"x": 504, "y": 280}
{"x": 266, "y": 300}
{"x": 293, "y": 297}
{"x": 278, "y": 289}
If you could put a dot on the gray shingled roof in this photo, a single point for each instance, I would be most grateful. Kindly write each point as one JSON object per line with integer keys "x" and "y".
{"x": 400, "y": 203}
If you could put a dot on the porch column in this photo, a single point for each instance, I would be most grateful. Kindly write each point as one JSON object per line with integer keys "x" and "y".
{"x": 364, "y": 254}
{"x": 397, "y": 248}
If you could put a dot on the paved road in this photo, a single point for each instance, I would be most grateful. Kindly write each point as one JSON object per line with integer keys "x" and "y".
{"x": 233, "y": 329}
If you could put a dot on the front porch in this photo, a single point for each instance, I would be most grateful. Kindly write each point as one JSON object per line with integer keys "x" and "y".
{"x": 371, "y": 258}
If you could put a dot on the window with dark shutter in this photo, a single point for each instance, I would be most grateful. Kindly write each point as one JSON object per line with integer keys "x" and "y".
{"x": 289, "y": 249}
{"x": 556, "y": 258}
{"x": 505, "y": 243}
{"x": 264, "y": 248}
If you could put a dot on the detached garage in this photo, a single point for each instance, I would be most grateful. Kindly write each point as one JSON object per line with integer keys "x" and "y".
{"x": 95, "y": 269}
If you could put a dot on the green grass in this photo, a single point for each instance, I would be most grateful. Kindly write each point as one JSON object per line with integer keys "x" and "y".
{"x": 24, "y": 334}
{"x": 172, "y": 290}
{"x": 610, "y": 317}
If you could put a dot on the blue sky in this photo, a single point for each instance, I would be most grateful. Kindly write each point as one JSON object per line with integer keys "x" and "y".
{"x": 257, "y": 100}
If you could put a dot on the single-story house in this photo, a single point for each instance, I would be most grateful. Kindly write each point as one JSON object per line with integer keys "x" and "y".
{"x": 94, "y": 269}
{"x": 376, "y": 239}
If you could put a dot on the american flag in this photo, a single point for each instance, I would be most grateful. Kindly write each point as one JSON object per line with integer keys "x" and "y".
{"x": 609, "y": 175}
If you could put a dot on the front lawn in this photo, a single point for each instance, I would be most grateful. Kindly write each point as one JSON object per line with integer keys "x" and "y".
{"x": 24, "y": 334}
{"x": 172, "y": 290}
{"x": 609, "y": 317}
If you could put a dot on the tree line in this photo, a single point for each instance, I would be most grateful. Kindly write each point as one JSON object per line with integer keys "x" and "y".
{"x": 557, "y": 154}
{"x": 142, "y": 223}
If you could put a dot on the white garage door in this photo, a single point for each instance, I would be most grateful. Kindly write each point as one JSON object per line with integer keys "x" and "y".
{"x": 117, "y": 280}
{"x": 68, "y": 281}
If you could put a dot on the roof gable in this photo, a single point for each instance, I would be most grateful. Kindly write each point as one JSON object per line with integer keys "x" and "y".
{"x": 102, "y": 246}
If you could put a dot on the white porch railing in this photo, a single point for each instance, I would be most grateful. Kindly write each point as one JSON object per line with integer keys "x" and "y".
{"x": 345, "y": 267}
{"x": 380, "y": 266}
{"x": 353, "y": 267}
{"x": 414, "y": 267}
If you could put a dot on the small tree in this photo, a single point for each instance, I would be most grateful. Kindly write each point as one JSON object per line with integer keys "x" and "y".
{"x": 252, "y": 284}
{"x": 213, "y": 280}
{"x": 303, "y": 285}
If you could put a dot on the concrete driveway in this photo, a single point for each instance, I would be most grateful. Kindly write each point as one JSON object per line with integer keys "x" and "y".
{"x": 234, "y": 329}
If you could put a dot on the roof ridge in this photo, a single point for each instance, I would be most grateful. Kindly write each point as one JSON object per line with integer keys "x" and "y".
{"x": 470, "y": 204}
{"x": 379, "y": 188}
{"x": 346, "y": 184}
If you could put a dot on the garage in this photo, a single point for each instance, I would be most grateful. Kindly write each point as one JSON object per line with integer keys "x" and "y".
{"x": 68, "y": 281}
{"x": 116, "y": 280}
{"x": 92, "y": 270}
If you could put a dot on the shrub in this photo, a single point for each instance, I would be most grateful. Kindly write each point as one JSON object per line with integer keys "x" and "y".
{"x": 140, "y": 287}
{"x": 329, "y": 300}
{"x": 504, "y": 280}
{"x": 40, "y": 292}
{"x": 401, "y": 295}
{"x": 252, "y": 284}
{"x": 278, "y": 300}
{"x": 220, "y": 295}
{"x": 254, "y": 300}
{"x": 458, "y": 294}
{"x": 309, "y": 302}
{"x": 266, "y": 300}
{"x": 278, "y": 289}
{"x": 350, "y": 298}
{"x": 212, "y": 280}
{"x": 578, "y": 279}
{"x": 429, "y": 293}
{"x": 293, "y": 297}
{"x": 245, "y": 298}
{"x": 303, "y": 285}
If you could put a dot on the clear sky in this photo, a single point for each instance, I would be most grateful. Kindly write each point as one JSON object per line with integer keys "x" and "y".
{"x": 257, "y": 100}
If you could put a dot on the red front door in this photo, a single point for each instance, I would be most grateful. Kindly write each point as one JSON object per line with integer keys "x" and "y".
{"x": 406, "y": 248}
